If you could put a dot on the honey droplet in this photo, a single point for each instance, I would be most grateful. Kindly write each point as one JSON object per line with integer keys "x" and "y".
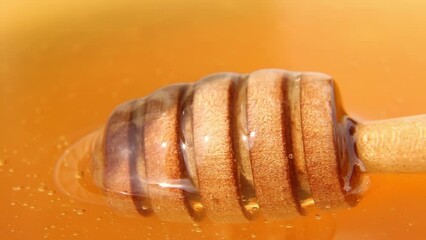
{"x": 42, "y": 188}
{"x": 79, "y": 175}
{"x": 17, "y": 188}
{"x": 79, "y": 211}
{"x": 51, "y": 193}
{"x": 289, "y": 226}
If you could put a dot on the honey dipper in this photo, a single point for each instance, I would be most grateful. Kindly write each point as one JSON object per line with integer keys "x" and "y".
{"x": 231, "y": 147}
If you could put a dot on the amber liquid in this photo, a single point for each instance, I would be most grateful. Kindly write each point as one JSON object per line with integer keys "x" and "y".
{"x": 64, "y": 67}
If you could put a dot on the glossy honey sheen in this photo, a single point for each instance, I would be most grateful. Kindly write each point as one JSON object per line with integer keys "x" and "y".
{"x": 65, "y": 66}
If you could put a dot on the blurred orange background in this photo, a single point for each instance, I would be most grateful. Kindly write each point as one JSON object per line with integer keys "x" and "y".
{"x": 64, "y": 65}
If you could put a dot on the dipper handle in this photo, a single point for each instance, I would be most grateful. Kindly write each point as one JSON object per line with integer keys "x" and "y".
{"x": 395, "y": 145}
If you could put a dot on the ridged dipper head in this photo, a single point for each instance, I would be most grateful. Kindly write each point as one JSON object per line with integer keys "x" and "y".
{"x": 228, "y": 148}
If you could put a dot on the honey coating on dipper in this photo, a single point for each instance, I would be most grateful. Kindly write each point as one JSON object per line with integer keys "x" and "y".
{"x": 229, "y": 148}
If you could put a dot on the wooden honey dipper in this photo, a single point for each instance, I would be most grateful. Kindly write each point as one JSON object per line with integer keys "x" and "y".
{"x": 231, "y": 146}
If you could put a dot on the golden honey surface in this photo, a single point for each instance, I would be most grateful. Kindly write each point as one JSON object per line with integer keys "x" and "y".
{"x": 65, "y": 65}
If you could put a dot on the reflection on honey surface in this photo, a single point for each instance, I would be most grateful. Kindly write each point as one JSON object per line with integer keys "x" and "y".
{"x": 65, "y": 66}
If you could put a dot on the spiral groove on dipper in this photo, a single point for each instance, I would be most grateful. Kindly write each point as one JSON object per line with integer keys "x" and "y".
{"x": 228, "y": 147}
